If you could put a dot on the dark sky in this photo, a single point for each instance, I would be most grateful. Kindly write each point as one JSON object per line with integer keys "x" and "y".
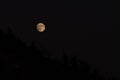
{"x": 73, "y": 27}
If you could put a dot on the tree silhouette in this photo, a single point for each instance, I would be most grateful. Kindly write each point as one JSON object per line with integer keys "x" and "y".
{"x": 20, "y": 62}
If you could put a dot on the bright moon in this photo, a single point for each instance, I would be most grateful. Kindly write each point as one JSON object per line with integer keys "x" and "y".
{"x": 40, "y": 27}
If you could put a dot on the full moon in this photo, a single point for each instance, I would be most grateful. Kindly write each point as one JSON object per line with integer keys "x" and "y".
{"x": 40, "y": 27}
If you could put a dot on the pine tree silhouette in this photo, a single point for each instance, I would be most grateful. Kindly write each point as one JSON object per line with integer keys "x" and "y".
{"x": 20, "y": 62}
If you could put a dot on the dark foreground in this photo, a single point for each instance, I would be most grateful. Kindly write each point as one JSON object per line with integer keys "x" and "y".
{"x": 20, "y": 62}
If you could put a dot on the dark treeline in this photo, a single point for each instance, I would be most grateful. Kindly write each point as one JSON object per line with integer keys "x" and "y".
{"x": 20, "y": 62}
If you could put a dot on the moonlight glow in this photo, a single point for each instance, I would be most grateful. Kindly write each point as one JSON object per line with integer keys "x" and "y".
{"x": 40, "y": 27}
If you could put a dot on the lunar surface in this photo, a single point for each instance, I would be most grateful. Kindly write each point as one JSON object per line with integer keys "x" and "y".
{"x": 40, "y": 27}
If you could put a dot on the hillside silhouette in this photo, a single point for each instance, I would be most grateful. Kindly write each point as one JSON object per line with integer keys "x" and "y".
{"x": 20, "y": 62}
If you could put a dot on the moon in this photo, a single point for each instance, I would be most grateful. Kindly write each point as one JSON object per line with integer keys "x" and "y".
{"x": 40, "y": 27}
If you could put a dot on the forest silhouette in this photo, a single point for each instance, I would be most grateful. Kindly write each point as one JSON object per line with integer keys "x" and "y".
{"x": 20, "y": 62}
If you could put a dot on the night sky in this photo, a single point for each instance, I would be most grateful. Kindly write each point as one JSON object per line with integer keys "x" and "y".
{"x": 75, "y": 28}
